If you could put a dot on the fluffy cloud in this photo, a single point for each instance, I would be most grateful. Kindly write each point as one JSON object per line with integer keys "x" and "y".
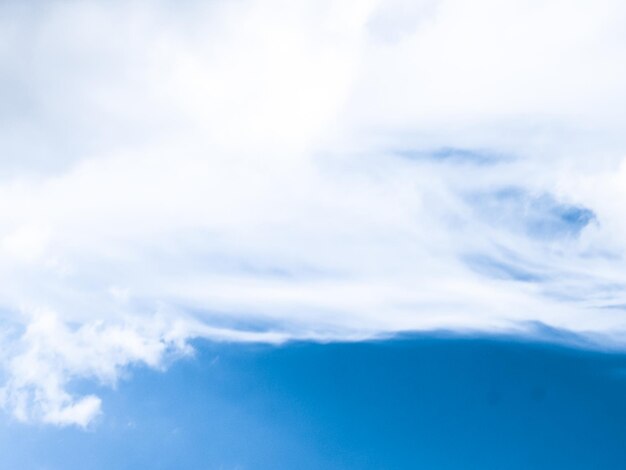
{"x": 266, "y": 171}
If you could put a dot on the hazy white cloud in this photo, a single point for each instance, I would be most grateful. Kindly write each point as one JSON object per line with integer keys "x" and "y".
{"x": 269, "y": 170}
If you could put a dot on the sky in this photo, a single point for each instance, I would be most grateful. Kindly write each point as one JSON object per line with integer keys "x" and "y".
{"x": 366, "y": 405}
{"x": 273, "y": 172}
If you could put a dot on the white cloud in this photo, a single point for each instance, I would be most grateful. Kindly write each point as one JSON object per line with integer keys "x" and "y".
{"x": 265, "y": 171}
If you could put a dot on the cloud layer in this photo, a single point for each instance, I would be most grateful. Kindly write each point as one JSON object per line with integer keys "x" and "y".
{"x": 266, "y": 171}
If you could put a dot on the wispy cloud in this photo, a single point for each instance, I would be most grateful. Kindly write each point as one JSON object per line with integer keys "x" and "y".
{"x": 266, "y": 171}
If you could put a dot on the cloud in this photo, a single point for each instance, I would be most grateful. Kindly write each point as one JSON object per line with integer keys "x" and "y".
{"x": 267, "y": 171}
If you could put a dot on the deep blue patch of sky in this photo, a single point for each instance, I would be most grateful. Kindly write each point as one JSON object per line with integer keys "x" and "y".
{"x": 420, "y": 402}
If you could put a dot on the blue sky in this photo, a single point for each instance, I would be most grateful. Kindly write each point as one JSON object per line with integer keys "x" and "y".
{"x": 430, "y": 401}
{"x": 268, "y": 173}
